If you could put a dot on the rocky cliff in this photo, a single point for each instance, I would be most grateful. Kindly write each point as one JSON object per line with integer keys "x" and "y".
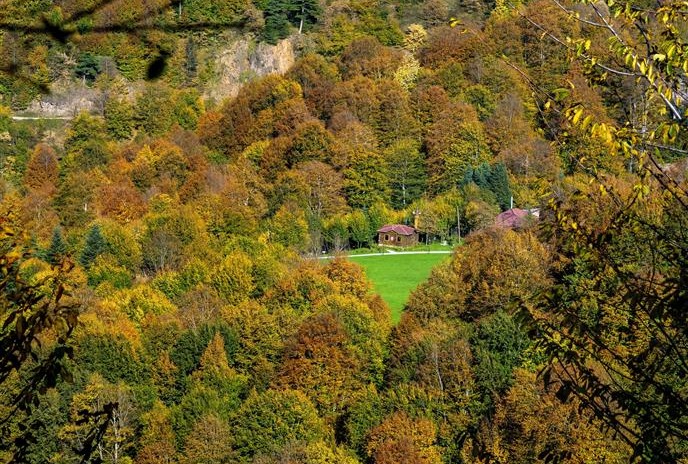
{"x": 242, "y": 60}
{"x": 245, "y": 60}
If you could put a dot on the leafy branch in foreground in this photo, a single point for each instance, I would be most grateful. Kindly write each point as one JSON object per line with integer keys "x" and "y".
{"x": 38, "y": 319}
{"x": 614, "y": 323}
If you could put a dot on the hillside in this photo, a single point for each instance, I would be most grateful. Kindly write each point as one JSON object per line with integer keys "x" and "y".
{"x": 170, "y": 170}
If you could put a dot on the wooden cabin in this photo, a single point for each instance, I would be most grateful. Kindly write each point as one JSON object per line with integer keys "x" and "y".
{"x": 397, "y": 235}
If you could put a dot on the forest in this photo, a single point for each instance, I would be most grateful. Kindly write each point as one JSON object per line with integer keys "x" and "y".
{"x": 160, "y": 297}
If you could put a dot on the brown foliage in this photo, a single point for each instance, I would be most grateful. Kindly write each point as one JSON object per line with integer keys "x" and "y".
{"x": 121, "y": 201}
{"x": 368, "y": 57}
{"x": 317, "y": 78}
{"x": 42, "y": 170}
{"x": 359, "y": 97}
{"x": 318, "y": 362}
{"x": 531, "y": 424}
{"x": 261, "y": 108}
{"x": 403, "y": 440}
{"x": 453, "y": 44}
{"x": 209, "y": 442}
{"x": 496, "y": 269}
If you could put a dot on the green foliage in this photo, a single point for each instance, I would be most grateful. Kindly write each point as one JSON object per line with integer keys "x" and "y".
{"x": 154, "y": 113}
{"x": 119, "y": 118}
{"x": 202, "y": 209}
{"x": 498, "y": 346}
{"x": 113, "y": 358}
{"x": 38, "y": 319}
{"x": 280, "y": 15}
{"x": 189, "y": 347}
{"x": 105, "y": 270}
{"x": 366, "y": 181}
{"x": 366, "y": 412}
{"x": 227, "y": 13}
{"x": 277, "y": 24}
{"x": 94, "y": 245}
{"x": 493, "y": 178}
{"x": 233, "y": 279}
{"x": 88, "y": 66}
{"x": 482, "y": 99}
{"x": 406, "y": 172}
{"x": 269, "y": 420}
{"x": 57, "y": 249}
{"x": 83, "y": 128}
{"x": 74, "y": 196}
{"x": 214, "y": 388}
{"x": 359, "y": 228}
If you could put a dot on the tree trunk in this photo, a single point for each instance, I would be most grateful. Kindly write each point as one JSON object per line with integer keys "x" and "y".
{"x": 301, "y": 22}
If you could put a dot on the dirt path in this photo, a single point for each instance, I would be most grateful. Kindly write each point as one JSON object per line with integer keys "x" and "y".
{"x": 395, "y": 253}
{"x": 35, "y": 118}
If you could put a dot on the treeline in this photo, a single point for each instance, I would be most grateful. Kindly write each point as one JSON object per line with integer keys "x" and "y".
{"x": 336, "y": 147}
{"x": 248, "y": 355}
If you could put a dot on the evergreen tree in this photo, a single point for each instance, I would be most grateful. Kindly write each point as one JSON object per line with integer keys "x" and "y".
{"x": 88, "y": 67}
{"x": 498, "y": 183}
{"x": 467, "y": 176}
{"x": 57, "y": 249}
{"x": 94, "y": 246}
{"x": 481, "y": 174}
{"x": 281, "y": 14}
{"x": 303, "y": 12}
{"x": 492, "y": 178}
{"x": 406, "y": 172}
{"x": 276, "y": 21}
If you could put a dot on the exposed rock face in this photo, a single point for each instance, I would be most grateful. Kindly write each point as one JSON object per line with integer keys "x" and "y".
{"x": 241, "y": 61}
{"x": 66, "y": 100}
{"x": 245, "y": 60}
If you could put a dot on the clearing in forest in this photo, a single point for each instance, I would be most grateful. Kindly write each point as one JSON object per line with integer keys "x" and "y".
{"x": 394, "y": 276}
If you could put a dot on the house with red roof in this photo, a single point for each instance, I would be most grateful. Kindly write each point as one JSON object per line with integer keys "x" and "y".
{"x": 516, "y": 218}
{"x": 397, "y": 235}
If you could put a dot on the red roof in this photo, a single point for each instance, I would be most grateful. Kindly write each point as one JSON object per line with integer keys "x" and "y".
{"x": 397, "y": 228}
{"x": 512, "y": 218}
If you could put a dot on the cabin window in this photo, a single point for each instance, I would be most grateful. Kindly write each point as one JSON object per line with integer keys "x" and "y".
{"x": 398, "y": 239}
{"x": 386, "y": 237}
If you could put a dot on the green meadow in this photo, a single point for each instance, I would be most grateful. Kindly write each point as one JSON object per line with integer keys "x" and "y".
{"x": 394, "y": 277}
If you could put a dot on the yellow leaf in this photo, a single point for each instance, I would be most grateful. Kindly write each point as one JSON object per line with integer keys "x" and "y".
{"x": 577, "y": 115}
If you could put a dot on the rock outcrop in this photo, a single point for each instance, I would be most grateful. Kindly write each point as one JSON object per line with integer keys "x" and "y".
{"x": 245, "y": 60}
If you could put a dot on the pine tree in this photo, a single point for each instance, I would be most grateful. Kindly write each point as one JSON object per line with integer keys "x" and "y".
{"x": 406, "y": 172}
{"x": 94, "y": 246}
{"x": 303, "y": 12}
{"x": 467, "y": 176}
{"x": 276, "y": 21}
{"x": 481, "y": 174}
{"x": 57, "y": 249}
{"x": 498, "y": 183}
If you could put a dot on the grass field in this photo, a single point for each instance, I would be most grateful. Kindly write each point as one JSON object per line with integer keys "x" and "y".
{"x": 395, "y": 276}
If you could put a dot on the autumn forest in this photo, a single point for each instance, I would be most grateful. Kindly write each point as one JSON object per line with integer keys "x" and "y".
{"x": 173, "y": 172}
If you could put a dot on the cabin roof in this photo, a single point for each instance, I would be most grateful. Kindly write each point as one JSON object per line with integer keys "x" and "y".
{"x": 511, "y": 218}
{"x": 398, "y": 229}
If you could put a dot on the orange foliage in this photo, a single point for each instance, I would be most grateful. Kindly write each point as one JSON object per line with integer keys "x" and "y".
{"x": 41, "y": 170}
{"x": 454, "y": 44}
{"x": 121, "y": 201}
{"x": 318, "y": 363}
{"x": 403, "y": 440}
